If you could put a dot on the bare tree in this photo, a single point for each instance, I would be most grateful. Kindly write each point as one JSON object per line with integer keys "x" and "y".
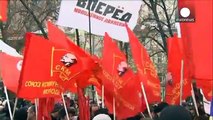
{"x": 27, "y": 16}
{"x": 155, "y": 24}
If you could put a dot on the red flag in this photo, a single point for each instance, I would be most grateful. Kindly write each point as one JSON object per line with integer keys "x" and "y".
{"x": 145, "y": 67}
{"x": 119, "y": 81}
{"x": 198, "y": 40}
{"x": 175, "y": 55}
{"x": 84, "y": 113}
{"x": 10, "y": 68}
{"x": 3, "y": 10}
{"x": 36, "y": 71}
{"x": 59, "y": 37}
{"x": 45, "y": 106}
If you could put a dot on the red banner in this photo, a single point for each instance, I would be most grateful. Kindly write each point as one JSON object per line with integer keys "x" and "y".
{"x": 146, "y": 69}
{"x": 86, "y": 72}
{"x": 175, "y": 56}
{"x": 197, "y": 37}
{"x": 36, "y": 79}
{"x": 119, "y": 81}
{"x": 10, "y": 68}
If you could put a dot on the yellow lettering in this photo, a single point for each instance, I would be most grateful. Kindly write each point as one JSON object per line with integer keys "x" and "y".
{"x": 57, "y": 67}
{"x": 64, "y": 73}
{"x": 51, "y": 91}
{"x": 32, "y": 84}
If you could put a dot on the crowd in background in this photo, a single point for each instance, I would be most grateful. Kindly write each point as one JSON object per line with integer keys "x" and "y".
{"x": 162, "y": 111}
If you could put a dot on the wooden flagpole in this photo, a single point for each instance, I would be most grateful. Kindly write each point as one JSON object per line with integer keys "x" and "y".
{"x": 97, "y": 99}
{"x": 36, "y": 108}
{"x": 114, "y": 112}
{"x": 65, "y": 107}
{"x": 8, "y": 103}
{"x": 146, "y": 101}
{"x": 181, "y": 81}
{"x": 102, "y": 96}
{"x": 14, "y": 108}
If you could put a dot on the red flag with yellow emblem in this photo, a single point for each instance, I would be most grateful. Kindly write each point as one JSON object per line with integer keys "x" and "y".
{"x": 119, "y": 81}
{"x": 146, "y": 69}
{"x": 86, "y": 72}
{"x": 36, "y": 80}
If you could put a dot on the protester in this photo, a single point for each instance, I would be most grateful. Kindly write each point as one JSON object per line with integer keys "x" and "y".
{"x": 71, "y": 114}
{"x": 67, "y": 100}
{"x": 157, "y": 108}
{"x": 31, "y": 113}
{"x": 175, "y": 113}
{"x": 101, "y": 114}
{"x": 137, "y": 117}
{"x": 21, "y": 114}
{"x": 5, "y": 109}
{"x": 102, "y": 117}
{"x": 55, "y": 112}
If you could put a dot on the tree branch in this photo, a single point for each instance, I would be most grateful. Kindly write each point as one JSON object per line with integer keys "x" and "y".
{"x": 167, "y": 18}
{"x": 163, "y": 35}
{"x": 157, "y": 53}
{"x": 163, "y": 48}
{"x": 35, "y": 18}
{"x": 147, "y": 4}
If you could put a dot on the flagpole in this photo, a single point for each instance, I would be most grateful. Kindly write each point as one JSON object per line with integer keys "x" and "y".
{"x": 181, "y": 81}
{"x": 177, "y": 25}
{"x": 146, "y": 101}
{"x": 102, "y": 96}
{"x": 90, "y": 41}
{"x": 114, "y": 112}
{"x": 194, "y": 100}
{"x": 90, "y": 45}
{"x": 65, "y": 107}
{"x": 15, "y": 104}
{"x": 36, "y": 108}
{"x": 8, "y": 102}
{"x": 96, "y": 94}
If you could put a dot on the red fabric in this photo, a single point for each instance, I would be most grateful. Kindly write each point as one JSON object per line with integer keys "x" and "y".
{"x": 66, "y": 73}
{"x": 117, "y": 84}
{"x": 45, "y": 106}
{"x": 146, "y": 69}
{"x": 10, "y": 68}
{"x": 36, "y": 70}
{"x": 41, "y": 108}
{"x": 175, "y": 55}
{"x": 84, "y": 109}
{"x": 3, "y": 10}
{"x": 198, "y": 40}
{"x": 59, "y": 37}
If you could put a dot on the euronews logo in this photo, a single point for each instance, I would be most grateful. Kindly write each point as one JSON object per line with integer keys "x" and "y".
{"x": 185, "y": 14}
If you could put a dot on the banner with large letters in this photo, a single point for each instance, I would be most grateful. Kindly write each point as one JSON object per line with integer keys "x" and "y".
{"x": 106, "y": 16}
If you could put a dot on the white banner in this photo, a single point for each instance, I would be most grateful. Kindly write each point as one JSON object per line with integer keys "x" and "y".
{"x": 106, "y": 16}
{"x": 8, "y": 49}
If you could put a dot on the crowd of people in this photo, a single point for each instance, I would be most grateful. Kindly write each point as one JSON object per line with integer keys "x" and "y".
{"x": 162, "y": 111}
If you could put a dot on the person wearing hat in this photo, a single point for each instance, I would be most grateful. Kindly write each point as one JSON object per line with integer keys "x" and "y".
{"x": 101, "y": 114}
{"x": 175, "y": 113}
{"x": 102, "y": 117}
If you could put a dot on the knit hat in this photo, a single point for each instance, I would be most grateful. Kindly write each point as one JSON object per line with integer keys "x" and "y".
{"x": 102, "y": 117}
{"x": 175, "y": 113}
